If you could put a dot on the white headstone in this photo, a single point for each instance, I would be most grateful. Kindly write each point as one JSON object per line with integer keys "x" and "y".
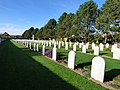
{"x": 62, "y": 43}
{"x": 66, "y": 46}
{"x": 33, "y": 37}
{"x": 54, "y": 44}
{"x": 93, "y": 45}
{"x": 37, "y": 48}
{"x": 80, "y": 45}
{"x": 84, "y": 49}
{"x": 34, "y": 46}
{"x": 43, "y": 50}
{"x": 71, "y": 59}
{"x": 54, "y": 54}
{"x": 113, "y": 47}
{"x": 107, "y": 45}
{"x": 50, "y": 43}
{"x": 116, "y": 53}
{"x": 98, "y": 68}
{"x": 30, "y": 45}
{"x": 46, "y": 43}
{"x": 101, "y": 47}
{"x": 87, "y": 45}
{"x": 59, "y": 44}
{"x": 74, "y": 47}
{"x": 96, "y": 50}
{"x": 70, "y": 43}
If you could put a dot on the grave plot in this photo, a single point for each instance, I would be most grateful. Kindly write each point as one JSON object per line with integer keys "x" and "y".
{"x": 84, "y": 61}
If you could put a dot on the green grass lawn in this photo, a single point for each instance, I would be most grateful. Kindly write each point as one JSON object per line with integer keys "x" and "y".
{"x": 23, "y": 69}
{"x": 85, "y": 60}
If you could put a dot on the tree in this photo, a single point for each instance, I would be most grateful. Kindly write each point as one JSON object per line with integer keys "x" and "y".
{"x": 39, "y": 33}
{"x": 49, "y": 29}
{"x": 28, "y": 33}
{"x": 60, "y": 25}
{"x": 109, "y": 18}
{"x": 86, "y": 16}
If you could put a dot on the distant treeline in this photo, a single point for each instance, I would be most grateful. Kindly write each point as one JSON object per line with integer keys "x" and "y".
{"x": 88, "y": 24}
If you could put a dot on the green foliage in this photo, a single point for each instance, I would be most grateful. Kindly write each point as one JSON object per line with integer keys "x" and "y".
{"x": 85, "y": 24}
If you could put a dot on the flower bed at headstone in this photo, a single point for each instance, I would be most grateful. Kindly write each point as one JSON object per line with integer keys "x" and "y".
{"x": 49, "y": 53}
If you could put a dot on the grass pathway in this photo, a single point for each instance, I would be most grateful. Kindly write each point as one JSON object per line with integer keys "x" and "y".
{"x": 23, "y": 69}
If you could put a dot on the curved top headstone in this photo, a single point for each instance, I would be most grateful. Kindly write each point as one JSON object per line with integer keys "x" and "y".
{"x": 98, "y": 68}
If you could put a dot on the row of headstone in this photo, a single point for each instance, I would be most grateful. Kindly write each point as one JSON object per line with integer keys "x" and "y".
{"x": 98, "y": 63}
{"x": 69, "y": 44}
{"x": 97, "y": 69}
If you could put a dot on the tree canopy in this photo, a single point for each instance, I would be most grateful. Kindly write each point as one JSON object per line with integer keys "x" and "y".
{"x": 88, "y": 23}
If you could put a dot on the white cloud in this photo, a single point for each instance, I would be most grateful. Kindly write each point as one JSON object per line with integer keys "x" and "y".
{"x": 12, "y": 29}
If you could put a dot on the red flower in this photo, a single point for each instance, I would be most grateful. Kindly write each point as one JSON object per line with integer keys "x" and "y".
{"x": 119, "y": 76}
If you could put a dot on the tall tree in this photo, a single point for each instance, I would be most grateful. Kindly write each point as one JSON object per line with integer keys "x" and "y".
{"x": 109, "y": 17}
{"x": 85, "y": 16}
{"x": 60, "y": 26}
{"x": 49, "y": 29}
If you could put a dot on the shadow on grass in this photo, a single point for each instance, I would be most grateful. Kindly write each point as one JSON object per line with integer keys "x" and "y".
{"x": 82, "y": 65}
{"x": 61, "y": 56}
{"x": 21, "y": 72}
{"x": 109, "y": 75}
{"x": 103, "y": 53}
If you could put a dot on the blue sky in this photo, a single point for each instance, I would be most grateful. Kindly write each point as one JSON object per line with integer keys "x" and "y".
{"x": 18, "y": 15}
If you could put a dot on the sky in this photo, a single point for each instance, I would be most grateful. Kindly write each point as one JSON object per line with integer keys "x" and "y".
{"x": 16, "y": 16}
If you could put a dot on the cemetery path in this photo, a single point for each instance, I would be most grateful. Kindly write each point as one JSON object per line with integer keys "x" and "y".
{"x": 23, "y": 69}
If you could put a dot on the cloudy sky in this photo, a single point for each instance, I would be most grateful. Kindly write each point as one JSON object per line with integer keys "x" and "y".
{"x": 18, "y": 15}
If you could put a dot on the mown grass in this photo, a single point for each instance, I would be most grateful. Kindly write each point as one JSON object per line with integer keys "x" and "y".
{"x": 112, "y": 69}
{"x": 23, "y": 69}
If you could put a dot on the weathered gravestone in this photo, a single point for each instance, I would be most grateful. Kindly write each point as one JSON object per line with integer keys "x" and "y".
{"x": 98, "y": 68}
{"x": 71, "y": 59}
{"x": 116, "y": 53}
{"x": 54, "y": 53}
{"x": 84, "y": 49}
{"x": 43, "y": 50}
{"x": 96, "y": 50}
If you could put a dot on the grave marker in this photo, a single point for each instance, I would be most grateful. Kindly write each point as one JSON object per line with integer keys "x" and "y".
{"x": 84, "y": 49}
{"x": 98, "y": 68}
{"x": 34, "y": 46}
{"x": 96, "y": 50}
{"x": 43, "y": 50}
{"x": 116, "y": 53}
{"x": 71, "y": 59}
{"x": 54, "y": 54}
